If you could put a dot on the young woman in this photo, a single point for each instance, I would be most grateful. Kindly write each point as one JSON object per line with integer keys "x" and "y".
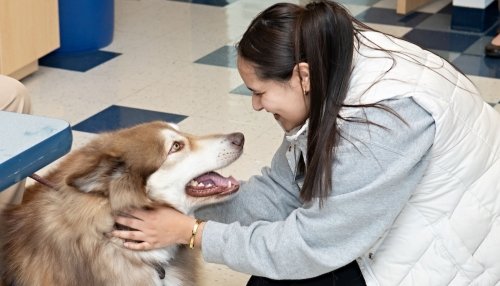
{"x": 388, "y": 173}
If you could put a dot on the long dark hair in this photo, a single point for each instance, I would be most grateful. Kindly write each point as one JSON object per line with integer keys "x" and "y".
{"x": 321, "y": 34}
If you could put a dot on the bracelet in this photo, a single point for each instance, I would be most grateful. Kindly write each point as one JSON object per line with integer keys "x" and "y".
{"x": 194, "y": 232}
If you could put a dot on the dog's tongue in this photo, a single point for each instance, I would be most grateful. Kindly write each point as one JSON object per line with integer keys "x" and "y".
{"x": 210, "y": 184}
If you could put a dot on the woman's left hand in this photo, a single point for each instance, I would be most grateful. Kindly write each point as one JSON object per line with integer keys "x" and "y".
{"x": 155, "y": 228}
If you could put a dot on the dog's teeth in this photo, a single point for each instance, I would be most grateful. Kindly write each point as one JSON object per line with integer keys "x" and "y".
{"x": 201, "y": 185}
{"x": 209, "y": 185}
{"x": 193, "y": 183}
{"x": 229, "y": 184}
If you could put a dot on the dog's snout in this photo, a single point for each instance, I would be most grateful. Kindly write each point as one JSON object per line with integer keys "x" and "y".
{"x": 237, "y": 139}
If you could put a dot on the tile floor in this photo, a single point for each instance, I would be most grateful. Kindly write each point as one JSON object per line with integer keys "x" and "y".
{"x": 174, "y": 60}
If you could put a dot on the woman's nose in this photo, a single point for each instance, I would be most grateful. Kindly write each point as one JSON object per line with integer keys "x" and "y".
{"x": 256, "y": 103}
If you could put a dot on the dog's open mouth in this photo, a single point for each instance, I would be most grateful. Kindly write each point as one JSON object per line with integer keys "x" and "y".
{"x": 211, "y": 184}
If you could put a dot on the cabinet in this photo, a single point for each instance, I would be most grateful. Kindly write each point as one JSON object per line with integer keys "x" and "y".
{"x": 29, "y": 29}
{"x": 406, "y": 6}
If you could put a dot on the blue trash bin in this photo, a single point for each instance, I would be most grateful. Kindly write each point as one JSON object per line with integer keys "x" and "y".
{"x": 85, "y": 25}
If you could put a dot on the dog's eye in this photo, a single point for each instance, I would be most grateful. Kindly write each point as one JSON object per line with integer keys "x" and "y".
{"x": 177, "y": 146}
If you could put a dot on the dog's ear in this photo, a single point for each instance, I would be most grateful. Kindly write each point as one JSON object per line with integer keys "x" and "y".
{"x": 107, "y": 174}
{"x": 90, "y": 172}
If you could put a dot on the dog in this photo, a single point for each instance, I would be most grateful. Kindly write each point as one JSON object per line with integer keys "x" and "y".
{"x": 59, "y": 235}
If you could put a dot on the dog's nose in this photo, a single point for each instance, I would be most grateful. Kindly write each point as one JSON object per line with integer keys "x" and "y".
{"x": 237, "y": 139}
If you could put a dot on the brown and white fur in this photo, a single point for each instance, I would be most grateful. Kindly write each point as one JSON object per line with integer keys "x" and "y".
{"x": 60, "y": 236}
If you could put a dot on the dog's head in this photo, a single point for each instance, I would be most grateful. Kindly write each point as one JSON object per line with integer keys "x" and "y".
{"x": 155, "y": 163}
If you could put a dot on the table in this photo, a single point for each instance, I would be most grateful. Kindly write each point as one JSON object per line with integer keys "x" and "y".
{"x": 29, "y": 143}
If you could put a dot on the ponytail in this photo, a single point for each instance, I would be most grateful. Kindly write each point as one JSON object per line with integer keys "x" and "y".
{"x": 327, "y": 42}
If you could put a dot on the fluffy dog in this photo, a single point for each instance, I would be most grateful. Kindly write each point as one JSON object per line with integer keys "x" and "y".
{"x": 59, "y": 235}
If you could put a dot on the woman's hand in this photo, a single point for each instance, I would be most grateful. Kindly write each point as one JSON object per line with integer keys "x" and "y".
{"x": 155, "y": 228}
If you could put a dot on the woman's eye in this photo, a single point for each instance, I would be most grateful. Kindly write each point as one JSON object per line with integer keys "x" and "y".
{"x": 177, "y": 146}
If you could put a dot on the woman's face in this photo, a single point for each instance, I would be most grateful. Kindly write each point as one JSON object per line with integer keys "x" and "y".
{"x": 285, "y": 100}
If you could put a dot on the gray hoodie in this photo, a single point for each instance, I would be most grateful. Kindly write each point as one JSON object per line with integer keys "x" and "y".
{"x": 266, "y": 230}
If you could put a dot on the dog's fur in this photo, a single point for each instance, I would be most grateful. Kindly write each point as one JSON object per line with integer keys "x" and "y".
{"x": 60, "y": 236}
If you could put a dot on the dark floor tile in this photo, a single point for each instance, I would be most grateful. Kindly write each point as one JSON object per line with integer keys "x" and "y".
{"x": 436, "y": 22}
{"x": 478, "y": 47}
{"x": 241, "y": 90}
{"x": 439, "y": 40}
{"x": 223, "y": 57}
{"x": 358, "y": 2}
{"x": 478, "y": 65}
{"x": 218, "y": 3}
{"x": 81, "y": 61}
{"x": 390, "y": 17}
{"x": 117, "y": 117}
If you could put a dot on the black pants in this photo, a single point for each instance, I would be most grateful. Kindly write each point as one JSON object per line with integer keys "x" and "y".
{"x": 349, "y": 275}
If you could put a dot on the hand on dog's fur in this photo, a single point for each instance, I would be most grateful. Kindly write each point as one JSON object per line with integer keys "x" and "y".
{"x": 157, "y": 228}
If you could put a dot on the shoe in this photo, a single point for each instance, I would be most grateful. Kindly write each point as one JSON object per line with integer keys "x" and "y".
{"x": 491, "y": 50}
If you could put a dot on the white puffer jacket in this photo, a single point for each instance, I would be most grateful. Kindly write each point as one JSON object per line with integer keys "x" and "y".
{"x": 453, "y": 218}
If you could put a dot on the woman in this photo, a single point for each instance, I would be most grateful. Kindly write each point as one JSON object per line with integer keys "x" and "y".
{"x": 387, "y": 174}
{"x": 14, "y": 97}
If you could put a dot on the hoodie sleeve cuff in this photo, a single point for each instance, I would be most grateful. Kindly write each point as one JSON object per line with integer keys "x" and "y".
{"x": 212, "y": 242}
